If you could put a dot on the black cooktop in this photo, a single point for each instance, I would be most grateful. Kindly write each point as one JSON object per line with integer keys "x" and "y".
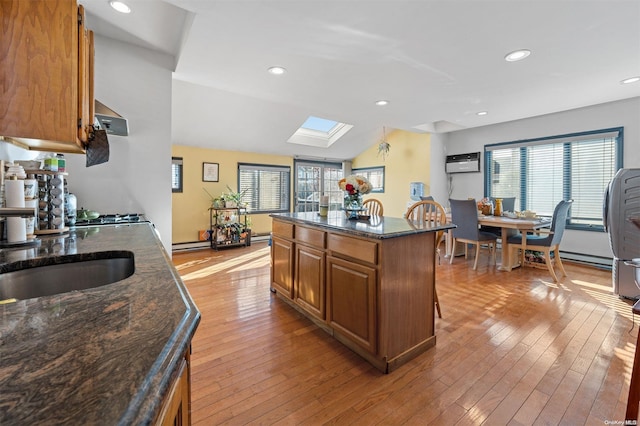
{"x": 112, "y": 218}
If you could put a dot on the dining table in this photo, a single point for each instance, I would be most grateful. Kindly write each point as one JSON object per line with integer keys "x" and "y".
{"x": 522, "y": 224}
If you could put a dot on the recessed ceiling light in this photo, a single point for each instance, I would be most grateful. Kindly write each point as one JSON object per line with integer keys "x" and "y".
{"x": 120, "y": 6}
{"x": 517, "y": 55}
{"x": 630, "y": 80}
{"x": 482, "y": 113}
{"x": 277, "y": 70}
{"x": 382, "y": 102}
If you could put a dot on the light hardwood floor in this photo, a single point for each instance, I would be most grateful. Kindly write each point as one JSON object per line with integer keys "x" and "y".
{"x": 513, "y": 348}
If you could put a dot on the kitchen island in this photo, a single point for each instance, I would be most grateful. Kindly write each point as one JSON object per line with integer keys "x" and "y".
{"x": 114, "y": 354}
{"x": 369, "y": 283}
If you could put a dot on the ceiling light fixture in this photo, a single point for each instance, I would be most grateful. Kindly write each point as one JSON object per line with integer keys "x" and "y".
{"x": 482, "y": 113}
{"x": 277, "y": 70}
{"x": 120, "y": 6}
{"x": 517, "y": 55}
{"x": 382, "y": 102}
{"x": 630, "y": 80}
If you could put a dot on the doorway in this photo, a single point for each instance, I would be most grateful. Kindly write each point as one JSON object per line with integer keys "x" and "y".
{"x": 313, "y": 179}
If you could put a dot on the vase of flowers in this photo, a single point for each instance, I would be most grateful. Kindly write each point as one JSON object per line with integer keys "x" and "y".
{"x": 354, "y": 187}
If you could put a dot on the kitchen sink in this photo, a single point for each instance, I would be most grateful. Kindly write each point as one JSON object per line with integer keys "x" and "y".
{"x": 67, "y": 273}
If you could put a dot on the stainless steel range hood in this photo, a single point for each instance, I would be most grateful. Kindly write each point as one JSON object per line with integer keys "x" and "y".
{"x": 110, "y": 121}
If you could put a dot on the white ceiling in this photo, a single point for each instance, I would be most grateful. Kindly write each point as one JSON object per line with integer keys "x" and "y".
{"x": 438, "y": 62}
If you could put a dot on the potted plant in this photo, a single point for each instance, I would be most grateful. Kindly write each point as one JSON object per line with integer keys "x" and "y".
{"x": 233, "y": 199}
{"x": 216, "y": 202}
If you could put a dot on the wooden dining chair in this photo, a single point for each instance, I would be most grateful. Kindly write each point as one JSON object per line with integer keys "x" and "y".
{"x": 544, "y": 240}
{"x": 464, "y": 214}
{"x": 374, "y": 207}
{"x": 430, "y": 212}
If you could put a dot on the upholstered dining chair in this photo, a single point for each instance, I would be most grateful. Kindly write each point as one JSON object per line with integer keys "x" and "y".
{"x": 429, "y": 211}
{"x": 508, "y": 205}
{"x": 545, "y": 240}
{"x": 374, "y": 207}
{"x": 464, "y": 214}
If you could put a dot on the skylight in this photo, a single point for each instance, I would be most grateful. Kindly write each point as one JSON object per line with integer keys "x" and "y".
{"x": 319, "y": 124}
{"x": 319, "y": 132}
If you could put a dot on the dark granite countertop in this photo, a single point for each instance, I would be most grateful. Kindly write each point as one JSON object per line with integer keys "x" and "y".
{"x": 375, "y": 227}
{"x": 105, "y": 355}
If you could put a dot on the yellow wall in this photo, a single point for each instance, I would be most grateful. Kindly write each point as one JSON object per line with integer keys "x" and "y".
{"x": 190, "y": 207}
{"x": 408, "y": 161}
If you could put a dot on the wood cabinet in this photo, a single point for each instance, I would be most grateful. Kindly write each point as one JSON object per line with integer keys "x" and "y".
{"x": 282, "y": 258}
{"x": 175, "y": 409}
{"x": 282, "y": 266}
{"x": 351, "y": 301}
{"x": 375, "y": 295}
{"x": 309, "y": 280}
{"x": 46, "y": 76}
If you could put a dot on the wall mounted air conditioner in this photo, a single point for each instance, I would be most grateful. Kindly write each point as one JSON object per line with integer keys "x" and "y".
{"x": 463, "y": 163}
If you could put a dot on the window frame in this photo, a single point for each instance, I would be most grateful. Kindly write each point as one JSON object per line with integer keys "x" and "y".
{"x": 271, "y": 168}
{"x": 366, "y": 172}
{"x": 564, "y": 141}
{"x": 177, "y": 162}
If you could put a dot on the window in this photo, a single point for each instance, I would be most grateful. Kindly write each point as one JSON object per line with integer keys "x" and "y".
{"x": 267, "y": 187}
{"x": 542, "y": 172}
{"x": 316, "y": 178}
{"x": 375, "y": 175}
{"x": 176, "y": 174}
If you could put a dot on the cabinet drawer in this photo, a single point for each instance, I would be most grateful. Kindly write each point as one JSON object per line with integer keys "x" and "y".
{"x": 282, "y": 229}
{"x": 367, "y": 251}
{"x": 312, "y": 237}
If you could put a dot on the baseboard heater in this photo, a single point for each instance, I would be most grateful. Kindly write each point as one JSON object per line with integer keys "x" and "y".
{"x": 196, "y": 245}
{"x": 588, "y": 259}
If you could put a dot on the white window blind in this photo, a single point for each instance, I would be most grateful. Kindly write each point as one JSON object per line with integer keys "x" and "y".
{"x": 176, "y": 174}
{"x": 375, "y": 175}
{"x": 542, "y": 172}
{"x": 267, "y": 187}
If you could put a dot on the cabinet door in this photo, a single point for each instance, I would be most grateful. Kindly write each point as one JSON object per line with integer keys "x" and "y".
{"x": 85, "y": 79}
{"x": 175, "y": 408}
{"x": 351, "y": 301}
{"x": 40, "y": 45}
{"x": 309, "y": 281}
{"x": 282, "y": 266}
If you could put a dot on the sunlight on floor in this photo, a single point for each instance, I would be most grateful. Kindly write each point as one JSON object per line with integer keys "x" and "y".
{"x": 603, "y": 294}
{"x": 626, "y": 354}
{"x": 255, "y": 259}
{"x": 196, "y": 262}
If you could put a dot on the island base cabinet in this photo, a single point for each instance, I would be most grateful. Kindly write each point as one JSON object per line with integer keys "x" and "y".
{"x": 309, "y": 282}
{"x": 351, "y": 302}
{"x": 282, "y": 266}
{"x": 372, "y": 294}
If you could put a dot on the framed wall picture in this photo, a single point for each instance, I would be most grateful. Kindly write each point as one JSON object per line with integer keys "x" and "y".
{"x": 210, "y": 172}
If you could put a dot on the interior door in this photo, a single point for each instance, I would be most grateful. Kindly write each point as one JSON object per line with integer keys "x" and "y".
{"x": 313, "y": 179}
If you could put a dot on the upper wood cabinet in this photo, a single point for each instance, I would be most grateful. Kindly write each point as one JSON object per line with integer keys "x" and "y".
{"x": 46, "y": 76}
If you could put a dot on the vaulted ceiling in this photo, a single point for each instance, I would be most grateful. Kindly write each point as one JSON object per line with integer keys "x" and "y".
{"x": 438, "y": 63}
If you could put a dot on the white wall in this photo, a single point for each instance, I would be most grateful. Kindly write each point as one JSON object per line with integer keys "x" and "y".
{"x": 624, "y": 113}
{"x": 136, "y": 83}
